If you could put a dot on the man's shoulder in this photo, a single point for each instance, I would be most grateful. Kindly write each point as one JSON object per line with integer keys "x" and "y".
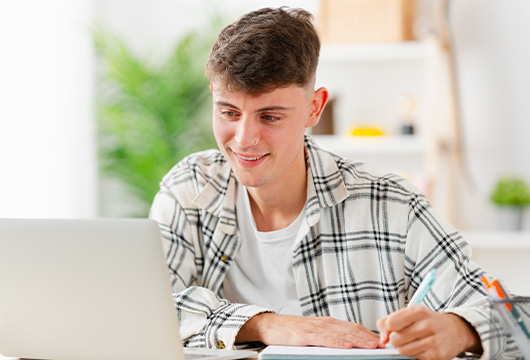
{"x": 200, "y": 166}
{"x": 360, "y": 176}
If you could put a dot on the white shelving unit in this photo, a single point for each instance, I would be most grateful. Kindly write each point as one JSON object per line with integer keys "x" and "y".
{"x": 393, "y": 144}
{"x": 404, "y": 154}
{"x": 407, "y": 50}
{"x": 365, "y": 80}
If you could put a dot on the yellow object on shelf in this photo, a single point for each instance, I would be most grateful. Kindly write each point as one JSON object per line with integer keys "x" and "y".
{"x": 366, "y": 131}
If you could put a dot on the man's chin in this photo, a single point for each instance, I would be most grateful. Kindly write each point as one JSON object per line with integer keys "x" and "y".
{"x": 250, "y": 182}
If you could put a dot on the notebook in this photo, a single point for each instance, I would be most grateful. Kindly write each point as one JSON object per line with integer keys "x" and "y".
{"x": 321, "y": 353}
{"x": 88, "y": 289}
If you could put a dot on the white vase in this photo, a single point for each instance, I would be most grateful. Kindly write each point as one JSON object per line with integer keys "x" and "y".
{"x": 510, "y": 218}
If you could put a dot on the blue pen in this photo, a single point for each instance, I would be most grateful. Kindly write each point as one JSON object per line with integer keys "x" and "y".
{"x": 423, "y": 289}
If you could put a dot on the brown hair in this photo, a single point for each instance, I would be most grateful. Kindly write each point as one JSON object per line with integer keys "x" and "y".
{"x": 265, "y": 49}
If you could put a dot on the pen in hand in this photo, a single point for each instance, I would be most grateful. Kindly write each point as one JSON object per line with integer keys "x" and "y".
{"x": 423, "y": 289}
{"x": 417, "y": 298}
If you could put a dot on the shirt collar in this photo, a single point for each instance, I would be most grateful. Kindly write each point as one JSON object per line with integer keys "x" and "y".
{"x": 325, "y": 184}
{"x": 218, "y": 198}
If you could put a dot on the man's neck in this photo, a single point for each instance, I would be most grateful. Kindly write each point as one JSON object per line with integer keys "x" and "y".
{"x": 276, "y": 207}
{"x": 276, "y": 212}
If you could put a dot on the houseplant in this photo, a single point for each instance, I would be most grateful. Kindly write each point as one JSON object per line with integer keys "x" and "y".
{"x": 512, "y": 195}
{"x": 151, "y": 113}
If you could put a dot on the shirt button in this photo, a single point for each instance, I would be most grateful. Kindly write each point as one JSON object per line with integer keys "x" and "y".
{"x": 224, "y": 258}
{"x": 221, "y": 344}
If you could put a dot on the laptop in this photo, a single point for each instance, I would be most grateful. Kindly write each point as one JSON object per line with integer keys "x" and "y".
{"x": 93, "y": 289}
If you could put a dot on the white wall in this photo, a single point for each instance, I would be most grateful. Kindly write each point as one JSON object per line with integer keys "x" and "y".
{"x": 493, "y": 52}
{"x": 154, "y": 25}
{"x": 47, "y": 159}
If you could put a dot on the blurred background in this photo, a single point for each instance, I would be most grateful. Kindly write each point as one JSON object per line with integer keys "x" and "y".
{"x": 99, "y": 98}
{"x": 92, "y": 94}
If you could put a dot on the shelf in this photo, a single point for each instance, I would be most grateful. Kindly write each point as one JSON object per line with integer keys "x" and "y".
{"x": 409, "y": 50}
{"x": 395, "y": 145}
{"x": 368, "y": 92}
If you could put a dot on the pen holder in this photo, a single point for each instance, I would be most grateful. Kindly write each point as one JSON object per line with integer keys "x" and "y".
{"x": 509, "y": 326}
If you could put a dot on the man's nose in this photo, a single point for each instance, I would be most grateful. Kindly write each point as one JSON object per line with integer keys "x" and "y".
{"x": 247, "y": 132}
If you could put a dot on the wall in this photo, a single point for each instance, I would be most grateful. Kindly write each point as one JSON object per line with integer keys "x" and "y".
{"x": 47, "y": 152}
{"x": 151, "y": 26}
{"x": 493, "y": 52}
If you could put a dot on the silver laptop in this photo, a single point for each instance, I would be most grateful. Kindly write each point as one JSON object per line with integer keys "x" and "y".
{"x": 88, "y": 290}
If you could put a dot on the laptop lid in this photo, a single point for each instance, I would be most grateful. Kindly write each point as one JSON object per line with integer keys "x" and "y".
{"x": 85, "y": 289}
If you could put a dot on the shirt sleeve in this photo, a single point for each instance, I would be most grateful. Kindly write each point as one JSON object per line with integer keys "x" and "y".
{"x": 208, "y": 321}
{"x": 434, "y": 243}
{"x": 205, "y": 319}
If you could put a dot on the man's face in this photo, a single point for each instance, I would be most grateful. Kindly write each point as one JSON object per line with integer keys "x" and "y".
{"x": 262, "y": 136}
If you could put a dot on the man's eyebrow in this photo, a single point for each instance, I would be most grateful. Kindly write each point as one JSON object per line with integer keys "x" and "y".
{"x": 222, "y": 103}
{"x": 275, "y": 108}
{"x": 268, "y": 108}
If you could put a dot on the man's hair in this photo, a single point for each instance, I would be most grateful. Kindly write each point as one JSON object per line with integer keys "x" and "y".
{"x": 265, "y": 49}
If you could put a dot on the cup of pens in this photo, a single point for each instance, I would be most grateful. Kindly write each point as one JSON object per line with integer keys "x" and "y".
{"x": 509, "y": 323}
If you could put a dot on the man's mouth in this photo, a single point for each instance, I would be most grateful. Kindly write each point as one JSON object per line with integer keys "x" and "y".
{"x": 249, "y": 158}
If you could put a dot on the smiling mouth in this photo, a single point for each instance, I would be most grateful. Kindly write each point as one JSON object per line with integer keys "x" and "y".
{"x": 250, "y": 158}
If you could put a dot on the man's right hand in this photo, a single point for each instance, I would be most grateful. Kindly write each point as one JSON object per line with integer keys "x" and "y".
{"x": 274, "y": 329}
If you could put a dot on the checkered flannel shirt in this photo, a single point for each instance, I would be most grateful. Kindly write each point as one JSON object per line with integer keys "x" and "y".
{"x": 369, "y": 239}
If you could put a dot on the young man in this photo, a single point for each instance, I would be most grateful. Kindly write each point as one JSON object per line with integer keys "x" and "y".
{"x": 273, "y": 239}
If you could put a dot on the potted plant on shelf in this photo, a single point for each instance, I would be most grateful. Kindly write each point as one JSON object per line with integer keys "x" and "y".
{"x": 151, "y": 114}
{"x": 511, "y": 195}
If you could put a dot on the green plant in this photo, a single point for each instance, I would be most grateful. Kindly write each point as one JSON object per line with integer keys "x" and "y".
{"x": 150, "y": 115}
{"x": 511, "y": 191}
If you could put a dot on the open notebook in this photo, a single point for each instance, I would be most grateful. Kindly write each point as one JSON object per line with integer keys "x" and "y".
{"x": 88, "y": 289}
{"x": 318, "y": 353}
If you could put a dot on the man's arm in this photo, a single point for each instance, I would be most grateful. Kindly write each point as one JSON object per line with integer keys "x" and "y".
{"x": 425, "y": 334}
{"x": 207, "y": 321}
{"x": 274, "y": 329}
{"x": 434, "y": 243}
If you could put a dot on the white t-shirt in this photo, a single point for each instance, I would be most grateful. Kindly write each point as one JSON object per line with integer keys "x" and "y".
{"x": 262, "y": 272}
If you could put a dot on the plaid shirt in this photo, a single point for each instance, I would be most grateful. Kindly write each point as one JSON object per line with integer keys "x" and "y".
{"x": 368, "y": 240}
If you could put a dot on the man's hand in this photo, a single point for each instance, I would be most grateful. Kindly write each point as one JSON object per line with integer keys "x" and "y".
{"x": 274, "y": 329}
{"x": 427, "y": 335}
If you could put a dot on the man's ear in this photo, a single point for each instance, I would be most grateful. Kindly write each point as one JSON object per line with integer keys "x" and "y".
{"x": 211, "y": 86}
{"x": 316, "y": 106}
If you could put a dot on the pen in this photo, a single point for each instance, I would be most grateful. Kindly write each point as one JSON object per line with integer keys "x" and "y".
{"x": 417, "y": 298}
{"x": 486, "y": 282}
{"x": 505, "y": 296}
{"x": 423, "y": 289}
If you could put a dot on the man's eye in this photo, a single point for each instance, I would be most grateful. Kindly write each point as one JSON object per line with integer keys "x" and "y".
{"x": 229, "y": 113}
{"x": 270, "y": 117}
